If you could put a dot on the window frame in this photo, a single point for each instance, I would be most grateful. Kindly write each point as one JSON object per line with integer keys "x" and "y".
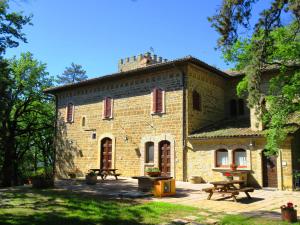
{"x": 147, "y": 161}
{"x": 216, "y": 159}
{"x": 197, "y": 101}
{"x": 105, "y": 116}
{"x": 70, "y": 120}
{"x": 234, "y": 157}
{"x": 154, "y": 110}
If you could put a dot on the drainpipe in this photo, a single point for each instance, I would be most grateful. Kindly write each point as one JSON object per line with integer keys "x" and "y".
{"x": 55, "y": 136}
{"x": 183, "y": 123}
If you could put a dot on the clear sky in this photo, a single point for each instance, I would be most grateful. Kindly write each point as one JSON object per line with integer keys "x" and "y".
{"x": 97, "y": 33}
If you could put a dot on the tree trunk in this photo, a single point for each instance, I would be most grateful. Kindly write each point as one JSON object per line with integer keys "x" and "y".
{"x": 9, "y": 173}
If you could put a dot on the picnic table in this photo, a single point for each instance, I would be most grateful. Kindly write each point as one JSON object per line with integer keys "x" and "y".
{"x": 228, "y": 188}
{"x": 103, "y": 173}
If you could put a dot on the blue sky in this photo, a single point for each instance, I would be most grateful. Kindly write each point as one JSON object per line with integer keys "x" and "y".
{"x": 97, "y": 33}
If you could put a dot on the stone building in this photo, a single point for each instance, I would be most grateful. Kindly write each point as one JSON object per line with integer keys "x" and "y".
{"x": 182, "y": 116}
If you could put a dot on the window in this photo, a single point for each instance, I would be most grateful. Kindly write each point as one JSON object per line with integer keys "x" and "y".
{"x": 241, "y": 107}
{"x": 240, "y": 158}
{"x": 83, "y": 121}
{"x": 107, "y": 108}
{"x": 70, "y": 113}
{"x": 222, "y": 158}
{"x": 157, "y": 100}
{"x": 149, "y": 153}
{"x": 94, "y": 135}
{"x": 233, "y": 109}
{"x": 197, "y": 101}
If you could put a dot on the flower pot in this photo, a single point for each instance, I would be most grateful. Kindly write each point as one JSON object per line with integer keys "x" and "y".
{"x": 289, "y": 215}
{"x": 91, "y": 180}
{"x": 153, "y": 174}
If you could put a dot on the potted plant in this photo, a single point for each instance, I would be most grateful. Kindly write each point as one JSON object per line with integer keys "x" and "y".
{"x": 289, "y": 213}
{"x": 42, "y": 178}
{"x": 153, "y": 172}
{"x": 228, "y": 176}
{"x": 91, "y": 178}
{"x": 233, "y": 166}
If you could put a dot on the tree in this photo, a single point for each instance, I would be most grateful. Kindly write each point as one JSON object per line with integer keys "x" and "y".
{"x": 11, "y": 25}
{"x": 27, "y": 113}
{"x": 272, "y": 43}
{"x": 72, "y": 74}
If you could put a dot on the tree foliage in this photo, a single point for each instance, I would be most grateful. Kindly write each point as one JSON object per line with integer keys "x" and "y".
{"x": 28, "y": 116}
{"x": 272, "y": 43}
{"x": 72, "y": 74}
{"x": 11, "y": 25}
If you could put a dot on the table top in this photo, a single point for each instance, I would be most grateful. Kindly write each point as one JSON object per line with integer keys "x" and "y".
{"x": 227, "y": 182}
{"x": 104, "y": 169}
{"x": 152, "y": 178}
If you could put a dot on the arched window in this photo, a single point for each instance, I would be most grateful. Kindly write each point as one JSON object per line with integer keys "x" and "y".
{"x": 83, "y": 121}
{"x": 240, "y": 158}
{"x": 241, "y": 107}
{"x": 157, "y": 100}
{"x": 222, "y": 158}
{"x": 149, "y": 152}
{"x": 70, "y": 112}
{"x": 197, "y": 101}
{"x": 233, "y": 109}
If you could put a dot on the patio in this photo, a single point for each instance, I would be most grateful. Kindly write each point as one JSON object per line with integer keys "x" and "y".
{"x": 265, "y": 203}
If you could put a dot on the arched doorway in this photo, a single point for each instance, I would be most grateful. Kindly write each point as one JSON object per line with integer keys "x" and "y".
{"x": 165, "y": 158}
{"x": 269, "y": 166}
{"x": 106, "y": 153}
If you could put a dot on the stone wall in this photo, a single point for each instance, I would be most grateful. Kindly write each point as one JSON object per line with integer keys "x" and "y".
{"x": 211, "y": 87}
{"x": 201, "y": 160}
{"x": 132, "y": 120}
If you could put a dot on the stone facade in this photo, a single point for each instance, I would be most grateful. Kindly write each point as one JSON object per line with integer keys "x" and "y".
{"x": 133, "y": 124}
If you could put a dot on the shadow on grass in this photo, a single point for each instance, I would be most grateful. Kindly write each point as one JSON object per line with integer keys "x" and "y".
{"x": 28, "y": 206}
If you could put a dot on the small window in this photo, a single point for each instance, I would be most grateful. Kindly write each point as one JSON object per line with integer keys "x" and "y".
{"x": 197, "y": 101}
{"x": 240, "y": 158}
{"x": 222, "y": 158}
{"x": 107, "y": 108}
{"x": 149, "y": 153}
{"x": 233, "y": 109}
{"x": 70, "y": 109}
{"x": 94, "y": 135}
{"x": 241, "y": 107}
{"x": 83, "y": 121}
{"x": 157, "y": 100}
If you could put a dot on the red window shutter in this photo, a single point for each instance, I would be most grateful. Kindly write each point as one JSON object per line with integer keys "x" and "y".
{"x": 154, "y": 100}
{"x": 107, "y": 107}
{"x": 70, "y": 112}
{"x": 159, "y": 100}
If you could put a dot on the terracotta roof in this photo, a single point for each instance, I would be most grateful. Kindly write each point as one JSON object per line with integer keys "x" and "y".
{"x": 234, "y": 128}
{"x": 150, "y": 68}
{"x": 227, "y": 128}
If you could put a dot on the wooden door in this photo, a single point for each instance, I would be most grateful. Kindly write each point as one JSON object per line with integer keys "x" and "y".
{"x": 165, "y": 158}
{"x": 106, "y": 154}
{"x": 270, "y": 171}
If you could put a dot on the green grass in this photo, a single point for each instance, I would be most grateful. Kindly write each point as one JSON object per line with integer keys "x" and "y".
{"x": 243, "y": 220}
{"x": 45, "y": 207}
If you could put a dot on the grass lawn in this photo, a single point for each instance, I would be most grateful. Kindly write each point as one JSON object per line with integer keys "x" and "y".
{"x": 243, "y": 220}
{"x": 39, "y": 207}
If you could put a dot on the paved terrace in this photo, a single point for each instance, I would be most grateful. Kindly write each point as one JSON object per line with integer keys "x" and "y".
{"x": 265, "y": 203}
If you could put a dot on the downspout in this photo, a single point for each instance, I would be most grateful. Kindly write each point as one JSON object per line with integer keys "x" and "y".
{"x": 184, "y": 166}
{"x": 55, "y": 136}
{"x": 183, "y": 130}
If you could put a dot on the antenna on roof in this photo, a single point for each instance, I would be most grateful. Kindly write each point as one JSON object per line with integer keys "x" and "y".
{"x": 151, "y": 49}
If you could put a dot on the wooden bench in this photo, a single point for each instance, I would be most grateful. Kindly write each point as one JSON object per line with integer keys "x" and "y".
{"x": 232, "y": 193}
{"x": 246, "y": 190}
{"x": 104, "y": 174}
